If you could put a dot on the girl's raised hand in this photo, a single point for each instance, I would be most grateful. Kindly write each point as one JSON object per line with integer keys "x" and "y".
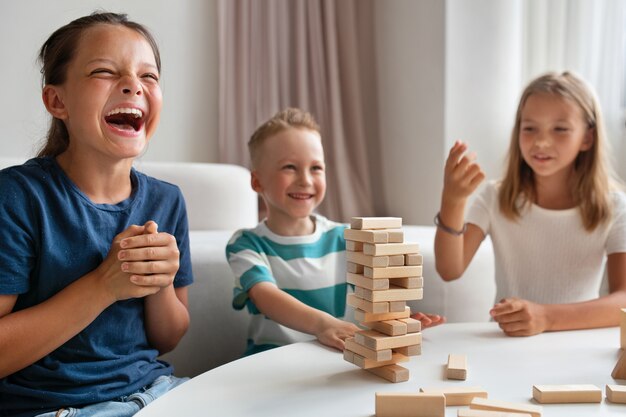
{"x": 518, "y": 317}
{"x": 461, "y": 174}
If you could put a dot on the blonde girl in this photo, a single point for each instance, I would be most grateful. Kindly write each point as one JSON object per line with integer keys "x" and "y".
{"x": 556, "y": 219}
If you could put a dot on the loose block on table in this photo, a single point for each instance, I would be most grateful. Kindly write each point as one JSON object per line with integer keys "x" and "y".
{"x": 396, "y": 404}
{"x": 457, "y": 395}
{"x": 498, "y": 405}
{"x": 579, "y": 393}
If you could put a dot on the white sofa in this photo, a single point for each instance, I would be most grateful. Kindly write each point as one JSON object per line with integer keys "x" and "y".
{"x": 219, "y": 200}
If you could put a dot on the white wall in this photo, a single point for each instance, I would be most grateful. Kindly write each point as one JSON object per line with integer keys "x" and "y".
{"x": 187, "y": 34}
{"x": 483, "y": 77}
{"x": 447, "y": 70}
{"x": 410, "y": 46}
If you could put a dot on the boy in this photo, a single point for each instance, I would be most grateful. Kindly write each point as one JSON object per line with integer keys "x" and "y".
{"x": 290, "y": 269}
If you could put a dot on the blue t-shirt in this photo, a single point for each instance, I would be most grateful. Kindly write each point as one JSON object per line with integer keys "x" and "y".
{"x": 51, "y": 234}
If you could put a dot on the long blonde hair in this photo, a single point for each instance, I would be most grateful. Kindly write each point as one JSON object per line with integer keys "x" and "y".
{"x": 593, "y": 176}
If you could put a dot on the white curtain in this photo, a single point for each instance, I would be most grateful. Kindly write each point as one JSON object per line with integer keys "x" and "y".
{"x": 588, "y": 37}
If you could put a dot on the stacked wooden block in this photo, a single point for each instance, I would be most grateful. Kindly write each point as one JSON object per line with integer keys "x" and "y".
{"x": 386, "y": 273}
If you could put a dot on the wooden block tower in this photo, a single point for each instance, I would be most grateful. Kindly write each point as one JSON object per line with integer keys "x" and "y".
{"x": 386, "y": 273}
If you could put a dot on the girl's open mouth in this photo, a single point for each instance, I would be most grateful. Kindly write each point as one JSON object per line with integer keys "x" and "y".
{"x": 125, "y": 119}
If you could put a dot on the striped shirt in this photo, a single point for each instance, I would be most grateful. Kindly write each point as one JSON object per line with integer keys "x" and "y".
{"x": 310, "y": 268}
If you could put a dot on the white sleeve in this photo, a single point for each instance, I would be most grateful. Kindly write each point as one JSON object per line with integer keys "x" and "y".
{"x": 479, "y": 212}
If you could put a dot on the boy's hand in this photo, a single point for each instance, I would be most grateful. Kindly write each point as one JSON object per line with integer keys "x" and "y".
{"x": 428, "y": 320}
{"x": 334, "y": 332}
{"x": 518, "y": 317}
{"x": 461, "y": 175}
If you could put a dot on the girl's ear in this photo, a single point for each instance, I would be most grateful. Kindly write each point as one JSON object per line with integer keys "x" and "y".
{"x": 588, "y": 140}
{"x": 255, "y": 182}
{"x": 53, "y": 100}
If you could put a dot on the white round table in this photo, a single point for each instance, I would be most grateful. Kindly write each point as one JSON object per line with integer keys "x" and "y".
{"x": 308, "y": 379}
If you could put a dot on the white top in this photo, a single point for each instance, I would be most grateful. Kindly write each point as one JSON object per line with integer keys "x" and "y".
{"x": 547, "y": 256}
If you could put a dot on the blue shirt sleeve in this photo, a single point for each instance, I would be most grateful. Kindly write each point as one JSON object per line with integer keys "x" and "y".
{"x": 184, "y": 276}
{"x": 17, "y": 235}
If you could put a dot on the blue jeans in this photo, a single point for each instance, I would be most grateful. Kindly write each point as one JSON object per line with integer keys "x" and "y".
{"x": 124, "y": 406}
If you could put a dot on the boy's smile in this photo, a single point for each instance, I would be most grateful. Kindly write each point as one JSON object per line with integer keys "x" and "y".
{"x": 291, "y": 178}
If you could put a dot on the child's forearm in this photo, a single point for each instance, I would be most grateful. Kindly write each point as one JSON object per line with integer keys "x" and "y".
{"x": 166, "y": 317}
{"x": 601, "y": 312}
{"x": 288, "y": 311}
{"x": 30, "y": 334}
{"x": 449, "y": 247}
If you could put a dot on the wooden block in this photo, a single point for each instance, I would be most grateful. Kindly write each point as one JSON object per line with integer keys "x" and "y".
{"x": 354, "y": 268}
{"x": 392, "y": 373}
{"x": 457, "y": 367}
{"x": 563, "y": 394}
{"x": 396, "y": 260}
{"x": 397, "y": 306}
{"x": 354, "y": 246}
{"x": 619, "y": 372}
{"x": 413, "y": 282}
{"x": 381, "y": 249}
{"x": 367, "y": 283}
{"x": 367, "y": 306}
{"x": 369, "y": 236}
{"x": 389, "y": 327}
{"x": 365, "y": 317}
{"x": 413, "y": 259}
{"x": 367, "y": 260}
{"x": 622, "y": 327}
{"x": 409, "y": 404}
{"x": 413, "y": 350}
{"x": 497, "y": 405}
{"x": 457, "y": 395}
{"x": 376, "y": 223}
{"x": 348, "y": 356}
{"x": 391, "y": 294}
{"x": 468, "y": 412}
{"x": 365, "y": 363}
{"x": 394, "y": 236}
{"x": 412, "y": 325}
{"x": 393, "y": 272}
{"x": 377, "y": 341}
{"x": 616, "y": 393}
{"x": 376, "y": 355}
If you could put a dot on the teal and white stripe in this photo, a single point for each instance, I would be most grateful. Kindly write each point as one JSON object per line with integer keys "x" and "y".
{"x": 310, "y": 268}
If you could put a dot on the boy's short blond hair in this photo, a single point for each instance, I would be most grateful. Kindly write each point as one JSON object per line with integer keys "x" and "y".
{"x": 290, "y": 118}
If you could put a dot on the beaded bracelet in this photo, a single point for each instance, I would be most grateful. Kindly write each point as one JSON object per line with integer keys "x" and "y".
{"x": 448, "y": 229}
